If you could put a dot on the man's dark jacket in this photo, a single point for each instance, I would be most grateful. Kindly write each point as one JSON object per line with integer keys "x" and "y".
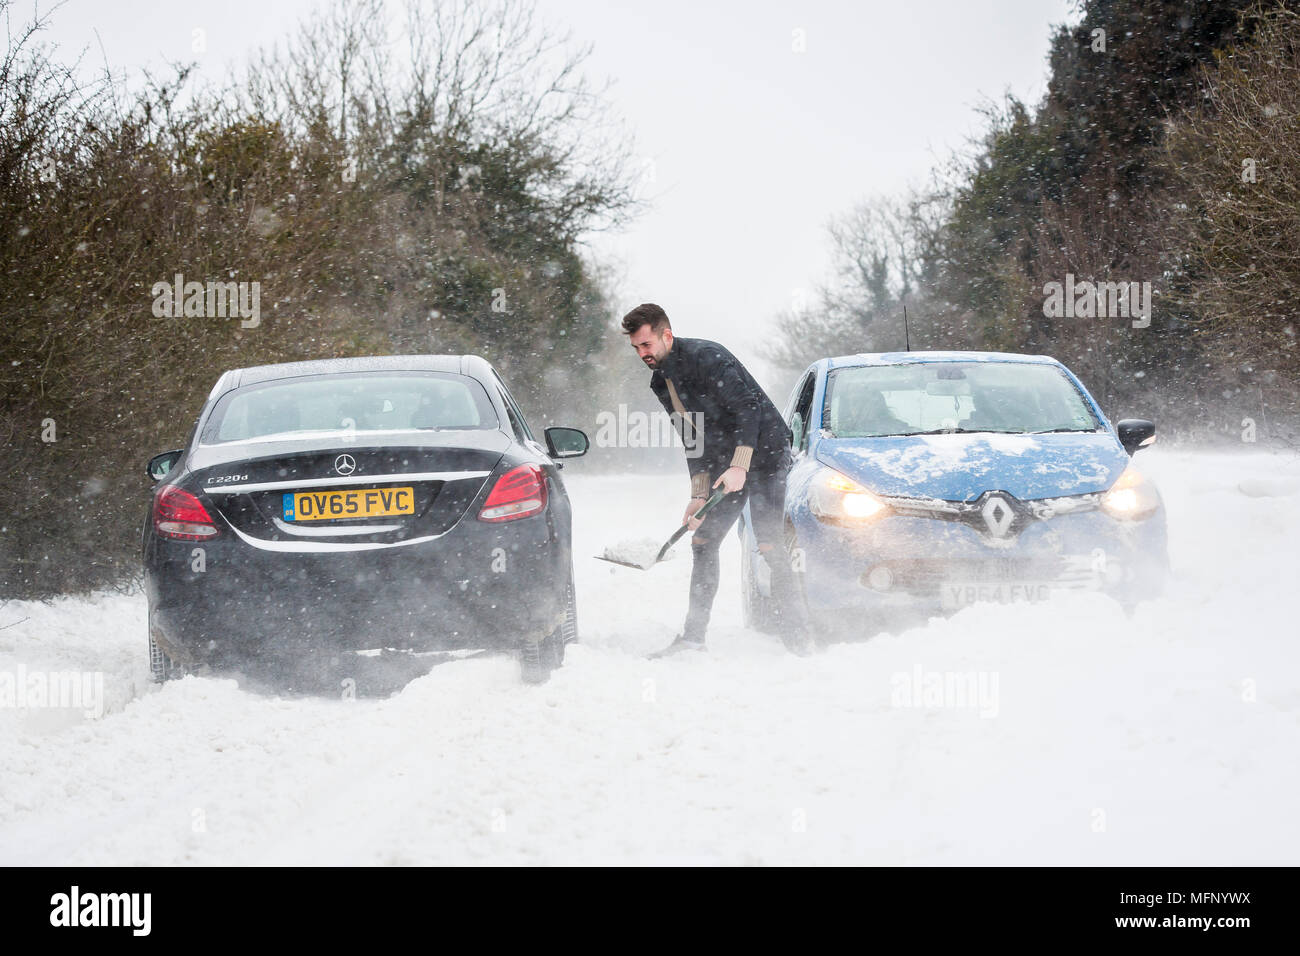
{"x": 741, "y": 426}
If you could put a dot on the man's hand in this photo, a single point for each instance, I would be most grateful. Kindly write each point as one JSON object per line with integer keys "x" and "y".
{"x": 689, "y": 518}
{"x": 733, "y": 479}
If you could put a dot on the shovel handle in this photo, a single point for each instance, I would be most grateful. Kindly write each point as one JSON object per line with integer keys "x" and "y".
{"x": 704, "y": 509}
{"x": 713, "y": 500}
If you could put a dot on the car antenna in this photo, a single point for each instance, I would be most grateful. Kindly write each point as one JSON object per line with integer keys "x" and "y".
{"x": 907, "y": 340}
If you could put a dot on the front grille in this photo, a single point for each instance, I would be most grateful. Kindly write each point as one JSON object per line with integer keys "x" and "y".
{"x": 998, "y": 516}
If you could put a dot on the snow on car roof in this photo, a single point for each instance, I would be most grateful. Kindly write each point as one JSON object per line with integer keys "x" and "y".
{"x": 441, "y": 363}
{"x": 907, "y": 358}
{"x": 256, "y": 374}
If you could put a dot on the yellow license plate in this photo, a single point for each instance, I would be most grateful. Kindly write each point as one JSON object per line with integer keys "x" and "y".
{"x": 358, "y": 503}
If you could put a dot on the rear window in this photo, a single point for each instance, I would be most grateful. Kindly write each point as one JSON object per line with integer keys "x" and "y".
{"x": 361, "y": 402}
{"x": 928, "y": 397}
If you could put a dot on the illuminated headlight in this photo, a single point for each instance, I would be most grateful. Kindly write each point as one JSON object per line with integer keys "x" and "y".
{"x": 1132, "y": 496}
{"x": 840, "y": 498}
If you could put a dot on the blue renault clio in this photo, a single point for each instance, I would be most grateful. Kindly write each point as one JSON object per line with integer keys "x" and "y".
{"x": 924, "y": 482}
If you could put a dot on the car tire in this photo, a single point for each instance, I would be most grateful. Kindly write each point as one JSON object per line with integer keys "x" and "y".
{"x": 570, "y": 625}
{"x": 538, "y": 658}
{"x": 162, "y": 667}
{"x": 758, "y": 611}
{"x": 822, "y": 627}
{"x": 531, "y": 668}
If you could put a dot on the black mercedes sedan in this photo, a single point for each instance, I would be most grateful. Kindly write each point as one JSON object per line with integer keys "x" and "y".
{"x": 329, "y": 507}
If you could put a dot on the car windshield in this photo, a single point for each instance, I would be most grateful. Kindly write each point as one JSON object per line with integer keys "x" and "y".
{"x": 358, "y": 402}
{"x": 934, "y": 397}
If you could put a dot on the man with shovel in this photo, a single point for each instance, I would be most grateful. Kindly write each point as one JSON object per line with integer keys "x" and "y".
{"x": 745, "y": 451}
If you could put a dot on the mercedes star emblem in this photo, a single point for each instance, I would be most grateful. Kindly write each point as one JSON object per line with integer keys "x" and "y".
{"x": 345, "y": 464}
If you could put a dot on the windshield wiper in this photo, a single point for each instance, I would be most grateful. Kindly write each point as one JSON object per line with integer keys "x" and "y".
{"x": 1053, "y": 431}
{"x": 936, "y": 431}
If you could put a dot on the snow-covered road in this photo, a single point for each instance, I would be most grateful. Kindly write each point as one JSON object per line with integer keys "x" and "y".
{"x": 1171, "y": 738}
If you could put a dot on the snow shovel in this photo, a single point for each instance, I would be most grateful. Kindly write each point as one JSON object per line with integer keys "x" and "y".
{"x": 636, "y": 555}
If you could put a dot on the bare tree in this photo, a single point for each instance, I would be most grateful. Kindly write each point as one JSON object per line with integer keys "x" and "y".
{"x": 880, "y": 250}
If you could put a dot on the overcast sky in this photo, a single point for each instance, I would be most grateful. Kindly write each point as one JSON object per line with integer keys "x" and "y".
{"x": 752, "y": 145}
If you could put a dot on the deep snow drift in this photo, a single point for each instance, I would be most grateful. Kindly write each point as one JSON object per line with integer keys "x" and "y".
{"x": 1058, "y": 733}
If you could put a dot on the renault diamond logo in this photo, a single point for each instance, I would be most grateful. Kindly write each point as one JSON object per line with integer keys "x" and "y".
{"x": 345, "y": 464}
{"x": 998, "y": 516}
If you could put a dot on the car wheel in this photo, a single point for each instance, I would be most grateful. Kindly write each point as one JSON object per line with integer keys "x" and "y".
{"x": 822, "y": 627}
{"x": 531, "y": 668}
{"x": 757, "y": 609}
{"x": 161, "y": 666}
{"x": 570, "y": 624}
{"x": 538, "y": 658}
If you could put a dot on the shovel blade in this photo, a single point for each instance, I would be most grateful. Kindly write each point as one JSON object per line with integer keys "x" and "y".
{"x": 626, "y": 564}
{"x": 627, "y": 553}
{"x": 641, "y": 553}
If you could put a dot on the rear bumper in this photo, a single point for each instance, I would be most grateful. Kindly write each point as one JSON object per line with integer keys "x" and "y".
{"x": 929, "y": 565}
{"x": 479, "y": 585}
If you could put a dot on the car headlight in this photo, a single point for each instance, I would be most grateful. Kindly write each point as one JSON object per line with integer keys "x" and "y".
{"x": 840, "y": 498}
{"x": 1133, "y": 496}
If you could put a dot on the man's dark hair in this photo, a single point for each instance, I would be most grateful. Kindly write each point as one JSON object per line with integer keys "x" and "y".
{"x": 645, "y": 313}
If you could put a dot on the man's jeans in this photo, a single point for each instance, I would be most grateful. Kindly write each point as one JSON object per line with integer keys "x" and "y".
{"x": 766, "y": 496}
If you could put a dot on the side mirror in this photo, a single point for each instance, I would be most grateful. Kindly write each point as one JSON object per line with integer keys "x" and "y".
{"x": 566, "y": 442}
{"x": 1135, "y": 433}
{"x": 796, "y": 430}
{"x": 161, "y": 465}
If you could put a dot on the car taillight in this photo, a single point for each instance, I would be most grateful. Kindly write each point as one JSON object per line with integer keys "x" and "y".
{"x": 178, "y": 514}
{"x": 518, "y": 493}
